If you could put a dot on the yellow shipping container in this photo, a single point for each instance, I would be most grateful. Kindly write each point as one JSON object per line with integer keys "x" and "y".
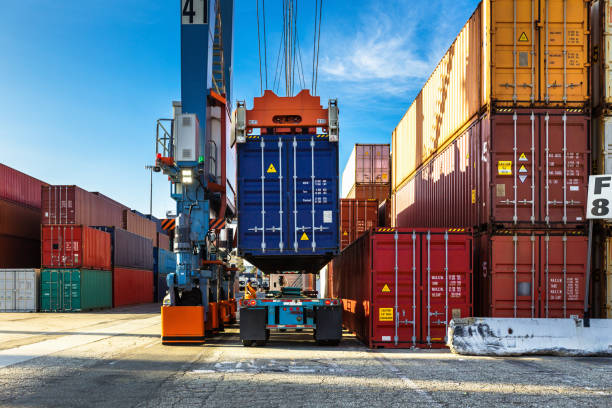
{"x": 516, "y": 53}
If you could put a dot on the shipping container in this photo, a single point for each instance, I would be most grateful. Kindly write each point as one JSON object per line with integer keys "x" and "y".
{"x": 511, "y": 168}
{"x": 601, "y": 52}
{"x": 132, "y": 286}
{"x": 163, "y": 241}
{"x": 531, "y": 274}
{"x": 62, "y": 204}
{"x": 74, "y": 290}
{"x": 367, "y": 164}
{"x": 377, "y": 192}
{"x": 401, "y": 287}
{"x": 356, "y": 217}
{"x": 19, "y": 290}
{"x": 138, "y": 225}
{"x": 510, "y": 53}
{"x": 288, "y": 202}
{"x": 602, "y": 144}
{"x": 129, "y": 250}
{"x": 19, "y": 252}
{"x": 75, "y": 246}
{"x": 20, "y": 188}
{"x": 607, "y": 284}
{"x": 17, "y": 220}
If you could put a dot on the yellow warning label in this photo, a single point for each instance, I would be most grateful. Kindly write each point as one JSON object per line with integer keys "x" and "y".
{"x": 523, "y": 37}
{"x": 271, "y": 169}
{"x": 385, "y": 314}
{"x": 345, "y": 233}
{"x": 523, "y": 169}
{"x": 504, "y": 167}
{"x": 386, "y": 288}
{"x": 522, "y": 157}
{"x": 474, "y": 196}
{"x": 304, "y": 237}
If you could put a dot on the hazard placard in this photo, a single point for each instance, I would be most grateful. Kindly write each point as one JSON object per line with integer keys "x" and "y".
{"x": 385, "y": 314}
{"x": 386, "y": 288}
{"x": 504, "y": 167}
{"x": 522, "y": 177}
{"x": 523, "y": 37}
{"x": 271, "y": 168}
{"x": 523, "y": 169}
{"x": 522, "y": 157}
{"x": 345, "y": 233}
{"x": 304, "y": 237}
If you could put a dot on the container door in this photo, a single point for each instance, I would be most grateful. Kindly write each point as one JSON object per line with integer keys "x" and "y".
{"x": 347, "y": 226}
{"x": 395, "y": 285}
{"x": 51, "y": 290}
{"x": 564, "y": 57}
{"x": 513, "y": 261}
{"x": 514, "y": 147}
{"x": 312, "y": 172}
{"x": 7, "y": 290}
{"x": 514, "y": 68}
{"x": 563, "y": 266}
{"x": 26, "y": 290}
{"x": 565, "y": 164}
{"x": 262, "y": 180}
{"x": 605, "y": 128}
{"x": 446, "y": 275}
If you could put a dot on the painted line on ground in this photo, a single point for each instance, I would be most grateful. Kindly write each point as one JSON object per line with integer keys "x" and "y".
{"x": 411, "y": 384}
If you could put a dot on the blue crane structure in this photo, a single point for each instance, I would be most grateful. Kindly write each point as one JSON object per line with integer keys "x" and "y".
{"x": 193, "y": 150}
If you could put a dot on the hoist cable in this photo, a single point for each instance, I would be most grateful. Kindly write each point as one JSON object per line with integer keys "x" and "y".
{"x": 259, "y": 50}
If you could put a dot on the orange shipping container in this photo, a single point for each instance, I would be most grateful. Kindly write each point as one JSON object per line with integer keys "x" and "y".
{"x": 518, "y": 53}
{"x": 138, "y": 225}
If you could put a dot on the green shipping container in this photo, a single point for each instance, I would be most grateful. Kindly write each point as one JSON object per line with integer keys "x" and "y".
{"x": 73, "y": 290}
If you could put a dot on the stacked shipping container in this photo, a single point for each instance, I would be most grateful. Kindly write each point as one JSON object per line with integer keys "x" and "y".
{"x": 498, "y": 140}
{"x": 356, "y": 217}
{"x": 367, "y": 173}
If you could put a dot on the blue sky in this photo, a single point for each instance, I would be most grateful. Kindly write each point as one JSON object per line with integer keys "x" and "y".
{"x": 82, "y": 83}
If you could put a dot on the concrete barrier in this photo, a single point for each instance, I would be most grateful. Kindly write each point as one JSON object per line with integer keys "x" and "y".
{"x": 487, "y": 336}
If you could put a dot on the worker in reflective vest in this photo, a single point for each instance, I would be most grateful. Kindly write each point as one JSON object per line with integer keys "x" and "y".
{"x": 250, "y": 292}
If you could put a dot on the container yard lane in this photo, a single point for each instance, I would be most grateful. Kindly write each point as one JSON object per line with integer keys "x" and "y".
{"x": 115, "y": 359}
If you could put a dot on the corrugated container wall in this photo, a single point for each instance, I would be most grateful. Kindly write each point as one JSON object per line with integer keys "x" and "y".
{"x": 19, "y": 221}
{"x": 130, "y": 250}
{"x": 370, "y": 191}
{"x": 132, "y": 286}
{"x": 607, "y": 284}
{"x": 75, "y": 246}
{"x": 601, "y": 28}
{"x": 19, "y": 187}
{"x": 19, "y": 252}
{"x": 423, "y": 277}
{"x": 367, "y": 164}
{"x": 73, "y": 290}
{"x": 63, "y": 204}
{"x": 139, "y": 225}
{"x": 356, "y": 217}
{"x": 19, "y": 290}
{"x": 163, "y": 241}
{"x": 538, "y": 59}
{"x": 523, "y": 167}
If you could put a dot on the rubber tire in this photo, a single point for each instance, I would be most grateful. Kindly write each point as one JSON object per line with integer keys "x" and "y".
{"x": 247, "y": 343}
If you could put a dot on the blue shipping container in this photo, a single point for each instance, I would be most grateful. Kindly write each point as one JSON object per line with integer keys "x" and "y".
{"x": 164, "y": 262}
{"x": 288, "y": 202}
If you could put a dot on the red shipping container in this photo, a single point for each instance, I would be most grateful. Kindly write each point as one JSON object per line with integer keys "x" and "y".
{"x": 132, "y": 286}
{"x": 366, "y": 191}
{"x": 138, "y": 225}
{"x": 384, "y": 213}
{"x": 75, "y": 246}
{"x": 512, "y": 168}
{"x": 356, "y": 217}
{"x": 19, "y": 187}
{"x": 433, "y": 284}
{"x": 163, "y": 241}
{"x": 72, "y": 205}
{"x": 549, "y": 279}
{"x": 19, "y": 252}
{"x": 19, "y": 221}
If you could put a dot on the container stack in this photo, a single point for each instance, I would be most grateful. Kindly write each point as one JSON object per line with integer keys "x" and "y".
{"x": 356, "y": 217}
{"x": 366, "y": 175}
{"x": 498, "y": 141}
{"x": 601, "y": 28}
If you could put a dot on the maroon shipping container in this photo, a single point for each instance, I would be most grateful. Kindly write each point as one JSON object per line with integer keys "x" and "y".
{"x": 73, "y": 205}
{"x": 75, "y": 246}
{"x": 132, "y": 286}
{"x": 378, "y": 192}
{"x": 19, "y": 252}
{"x": 356, "y": 217}
{"x": 429, "y": 272}
{"x": 523, "y": 167}
{"x": 19, "y": 221}
{"x": 19, "y": 187}
{"x": 535, "y": 274}
{"x": 384, "y": 213}
{"x": 139, "y": 225}
{"x": 163, "y": 241}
